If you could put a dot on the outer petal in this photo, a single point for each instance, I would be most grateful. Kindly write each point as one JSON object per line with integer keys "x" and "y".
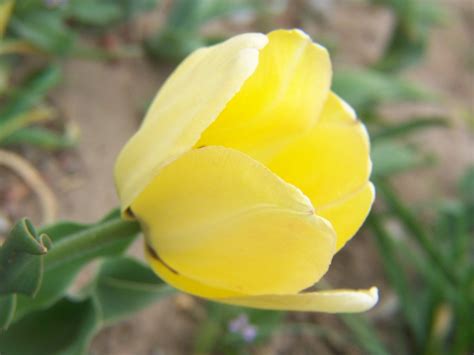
{"x": 184, "y": 283}
{"x": 333, "y": 301}
{"x": 222, "y": 219}
{"x": 329, "y": 164}
{"x": 348, "y": 214}
{"x": 281, "y": 100}
{"x": 190, "y": 100}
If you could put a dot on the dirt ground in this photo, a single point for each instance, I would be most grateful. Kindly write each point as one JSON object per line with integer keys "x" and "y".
{"x": 107, "y": 101}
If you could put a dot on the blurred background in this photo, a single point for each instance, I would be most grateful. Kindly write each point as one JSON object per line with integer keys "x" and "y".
{"x": 77, "y": 76}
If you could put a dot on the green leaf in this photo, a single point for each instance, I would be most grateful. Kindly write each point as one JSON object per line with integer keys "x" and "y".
{"x": 417, "y": 231}
{"x": 124, "y": 285}
{"x": 130, "y": 8}
{"x": 40, "y": 137}
{"x": 45, "y": 29}
{"x": 180, "y": 35}
{"x": 66, "y": 329}
{"x": 364, "y": 334}
{"x": 364, "y": 89}
{"x": 95, "y": 13}
{"x": 409, "y": 39}
{"x": 395, "y": 272}
{"x": 7, "y": 310}
{"x": 76, "y": 245}
{"x": 33, "y": 91}
{"x": 405, "y": 128}
{"x": 21, "y": 259}
{"x": 172, "y": 44}
{"x": 466, "y": 187}
{"x": 102, "y": 13}
{"x": 391, "y": 158}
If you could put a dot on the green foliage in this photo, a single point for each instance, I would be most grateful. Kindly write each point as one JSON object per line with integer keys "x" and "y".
{"x": 390, "y": 158}
{"x": 53, "y": 321}
{"x": 364, "y": 334}
{"x": 106, "y": 13}
{"x": 121, "y": 287}
{"x": 75, "y": 246}
{"x": 64, "y": 328}
{"x": 7, "y": 310}
{"x": 231, "y": 330}
{"x": 21, "y": 259}
{"x": 440, "y": 292}
{"x": 413, "y": 22}
{"x": 365, "y": 89}
{"x": 51, "y": 28}
{"x": 181, "y": 33}
{"x": 26, "y": 106}
{"x": 124, "y": 286}
{"x": 45, "y": 30}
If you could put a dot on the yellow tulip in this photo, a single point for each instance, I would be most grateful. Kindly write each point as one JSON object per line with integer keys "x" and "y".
{"x": 248, "y": 174}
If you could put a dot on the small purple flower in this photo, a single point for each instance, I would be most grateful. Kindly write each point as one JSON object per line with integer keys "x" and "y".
{"x": 236, "y": 325}
{"x": 249, "y": 333}
{"x": 240, "y": 325}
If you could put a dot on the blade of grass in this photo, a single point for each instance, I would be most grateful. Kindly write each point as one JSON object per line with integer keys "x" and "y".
{"x": 31, "y": 94}
{"x": 364, "y": 334}
{"x": 42, "y": 138}
{"x": 414, "y": 228}
{"x": 405, "y": 128}
{"x": 37, "y": 114}
{"x": 395, "y": 272}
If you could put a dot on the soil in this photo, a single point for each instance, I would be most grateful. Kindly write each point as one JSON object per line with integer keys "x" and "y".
{"x": 107, "y": 100}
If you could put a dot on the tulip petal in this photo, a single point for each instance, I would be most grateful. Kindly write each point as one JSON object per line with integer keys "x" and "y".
{"x": 184, "y": 283}
{"x": 348, "y": 214}
{"x": 281, "y": 100}
{"x": 330, "y": 301}
{"x": 190, "y": 100}
{"x": 220, "y": 218}
{"x": 329, "y": 164}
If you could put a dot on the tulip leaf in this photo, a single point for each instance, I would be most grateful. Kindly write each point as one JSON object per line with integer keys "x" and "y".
{"x": 466, "y": 187}
{"x": 409, "y": 38}
{"x": 124, "y": 286}
{"x": 21, "y": 259}
{"x": 364, "y": 334}
{"x": 7, "y": 310}
{"x": 121, "y": 287}
{"x": 65, "y": 328}
{"x": 96, "y": 13}
{"x": 405, "y": 128}
{"x": 364, "y": 89}
{"x": 40, "y": 137}
{"x": 391, "y": 158}
{"x": 76, "y": 245}
{"x": 44, "y": 29}
{"x": 181, "y": 33}
{"x": 32, "y": 93}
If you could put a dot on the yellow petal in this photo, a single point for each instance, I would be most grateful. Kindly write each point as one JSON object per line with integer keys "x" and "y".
{"x": 184, "y": 283}
{"x": 222, "y": 219}
{"x": 281, "y": 100}
{"x": 348, "y": 214}
{"x": 193, "y": 96}
{"x": 331, "y": 301}
{"x": 329, "y": 164}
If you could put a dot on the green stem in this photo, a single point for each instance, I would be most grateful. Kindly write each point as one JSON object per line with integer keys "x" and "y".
{"x": 90, "y": 240}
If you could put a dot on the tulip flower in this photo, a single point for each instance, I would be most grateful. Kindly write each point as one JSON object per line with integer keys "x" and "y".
{"x": 248, "y": 174}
